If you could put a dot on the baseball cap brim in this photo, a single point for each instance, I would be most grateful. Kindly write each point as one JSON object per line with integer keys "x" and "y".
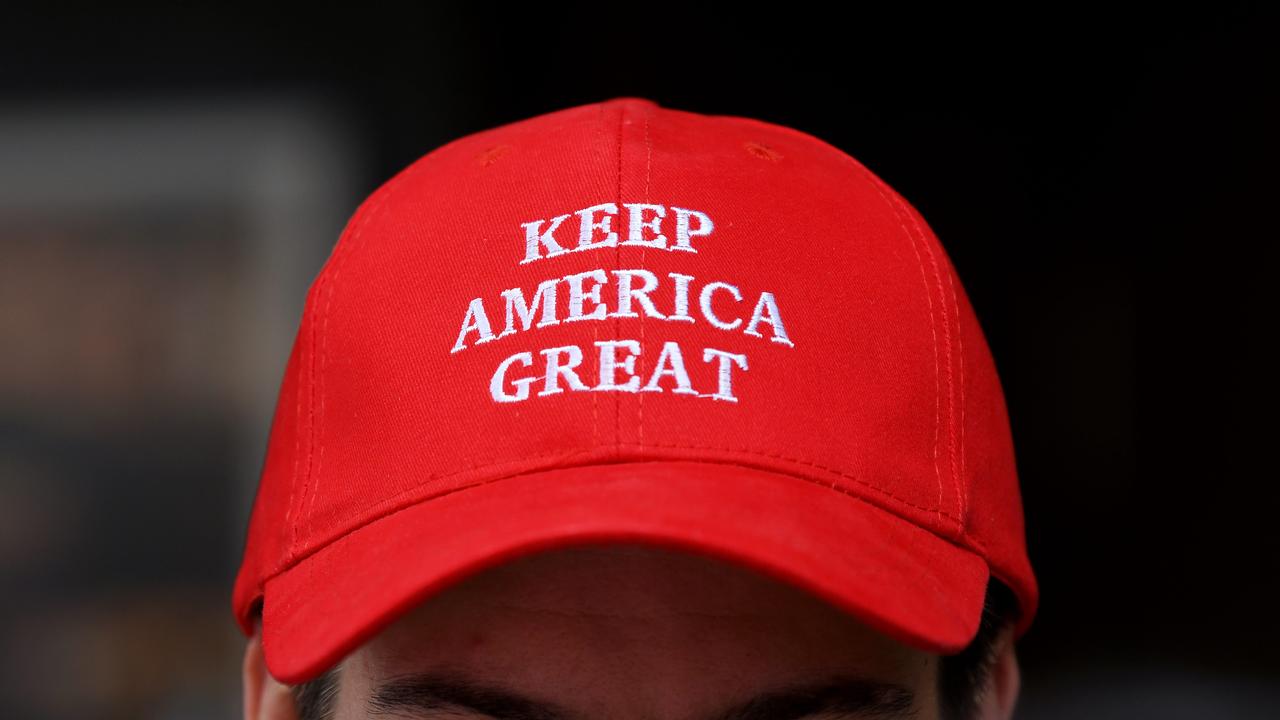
{"x": 896, "y": 577}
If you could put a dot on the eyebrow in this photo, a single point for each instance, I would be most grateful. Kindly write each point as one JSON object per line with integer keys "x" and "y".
{"x": 432, "y": 694}
{"x": 422, "y": 695}
{"x": 848, "y": 696}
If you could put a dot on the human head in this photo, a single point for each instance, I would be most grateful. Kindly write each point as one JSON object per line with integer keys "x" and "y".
{"x": 601, "y": 631}
{"x": 746, "y": 347}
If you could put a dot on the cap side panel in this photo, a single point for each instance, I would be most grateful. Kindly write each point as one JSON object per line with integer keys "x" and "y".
{"x": 887, "y": 196}
{"x": 955, "y": 352}
{"x": 992, "y": 505}
{"x": 942, "y": 313}
{"x": 943, "y": 329}
{"x": 395, "y": 410}
{"x": 323, "y": 300}
{"x": 318, "y": 310}
{"x": 828, "y": 240}
{"x": 1001, "y": 529}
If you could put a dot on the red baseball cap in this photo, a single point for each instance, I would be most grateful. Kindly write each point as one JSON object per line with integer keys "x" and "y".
{"x": 621, "y": 322}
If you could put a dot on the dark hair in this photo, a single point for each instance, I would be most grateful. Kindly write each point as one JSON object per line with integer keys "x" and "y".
{"x": 961, "y": 677}
{"x": 316, "y": 698}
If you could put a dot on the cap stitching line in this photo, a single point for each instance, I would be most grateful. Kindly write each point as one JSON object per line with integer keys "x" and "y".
{"x": 951, "y": 362}
{"x": 317, "y": 384}
{"x": 648, "y": 167}
{"x": 961, "y": 495}
{"x": 959, "y": 448}
{"x": 947, "y": 345}
{"x": 964, "y": 475}
{"x": 973, "y": 543}
{"x": 297, "y": 452}
{"x": 311, "y": 424}
{"x": 294, "y": 559}
{"x": 928, "y": 293}
{"x": 362, "y": 215}
{"x": 678, "y": 446}
{"x": 318, "y": 380}
{"x": 291, "y": 549}
{"x": 617, "y": 264}
{"x": 292, "y": 602}
{"x": 595, "y": 327}
{"x": 290, "y": 509}
{"x": 814, "y": 140}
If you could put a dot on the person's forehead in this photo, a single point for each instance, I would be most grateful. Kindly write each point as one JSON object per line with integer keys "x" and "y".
{"x": 634, "y": 629}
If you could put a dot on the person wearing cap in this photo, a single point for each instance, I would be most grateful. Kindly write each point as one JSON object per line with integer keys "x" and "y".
{"x": 633, "y": 412}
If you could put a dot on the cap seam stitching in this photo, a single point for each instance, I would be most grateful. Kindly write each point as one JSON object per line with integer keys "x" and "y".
{"x": 344, "y": 250}
{"x": 595, "y": 327}
{"x": 675, "y": 446}
{"x": 947, "y": 346}
{"x": 933, "y": 322}
{"x": 958, "y": 388}
{"x": 648, "y": 168}
{"x": 961, "y": 496}
{"x": 617, "y": 265}
{"x": 974, "y": 544}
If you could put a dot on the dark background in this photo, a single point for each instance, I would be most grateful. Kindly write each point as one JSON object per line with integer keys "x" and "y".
{"x": 1103, "y": 181}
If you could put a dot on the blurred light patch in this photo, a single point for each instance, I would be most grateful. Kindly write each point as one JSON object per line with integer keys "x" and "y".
{"x": 154, "y": 257}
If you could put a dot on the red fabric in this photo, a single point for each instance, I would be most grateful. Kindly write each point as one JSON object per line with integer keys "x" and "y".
{"x": 865, "y": 454}
{"x": 896, "y": 576}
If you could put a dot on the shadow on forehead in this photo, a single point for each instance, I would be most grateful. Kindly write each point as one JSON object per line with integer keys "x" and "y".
{"x": 651, "y": 570}
{"x": 637, "y": 580}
